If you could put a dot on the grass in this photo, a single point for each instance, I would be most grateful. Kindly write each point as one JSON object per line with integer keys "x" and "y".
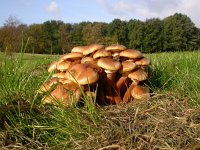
{"x": 169, "y": 120}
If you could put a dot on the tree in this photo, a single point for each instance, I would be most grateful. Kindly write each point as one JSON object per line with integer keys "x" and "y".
{"x": 37, "y": 39}
{"x": 64, "y": 37}
{"x": 153, "y": 36}
{"x": 118, "y": 32}
{"x": 94, "y": 33}
{"x": 52, "y": 35}
{"x": 135, "y": 34}
{"x": 11, "y": 35}
{"x": 179, "y": 33}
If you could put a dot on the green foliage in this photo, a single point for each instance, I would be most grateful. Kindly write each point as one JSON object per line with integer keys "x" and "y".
{"x": 173, "y": 33}
{"x": 179, "y": 33}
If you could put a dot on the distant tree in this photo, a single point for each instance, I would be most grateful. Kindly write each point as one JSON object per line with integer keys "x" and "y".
{"x": 94, "y": 33}
{"x": 118, "y": 32}
{"x": 153, "y": 36}
{"x": 135, "y": 34}
{"x": 179, "y": 33}
{"x": 37, "y": 39}
{"x": 64, "y": 37}
{"x": 77, "y": 34}
{"x": 11, "y": 35}
{"x": 52, "y": 35}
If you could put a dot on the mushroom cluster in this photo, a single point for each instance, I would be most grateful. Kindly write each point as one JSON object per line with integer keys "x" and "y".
{"x": 110, "y": 75}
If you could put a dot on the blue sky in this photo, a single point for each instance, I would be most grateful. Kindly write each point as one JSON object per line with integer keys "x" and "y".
{"x": 74, "y": 11}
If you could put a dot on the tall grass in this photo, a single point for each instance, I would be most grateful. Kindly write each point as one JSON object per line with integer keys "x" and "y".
{"x": 178, "y": 73}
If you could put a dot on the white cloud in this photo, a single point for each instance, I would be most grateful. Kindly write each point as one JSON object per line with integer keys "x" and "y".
{"x": 54, "y": 8}
{"x": 143, "y": 9}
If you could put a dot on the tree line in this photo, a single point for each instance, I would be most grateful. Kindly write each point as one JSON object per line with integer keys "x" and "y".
{"x": 173, "y": 33}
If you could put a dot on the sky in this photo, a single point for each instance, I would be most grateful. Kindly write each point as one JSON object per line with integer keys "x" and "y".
{"x": 75, "y": 11}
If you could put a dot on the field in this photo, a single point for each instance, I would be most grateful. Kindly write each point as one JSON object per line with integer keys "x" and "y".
{"x": 169, "y": 120}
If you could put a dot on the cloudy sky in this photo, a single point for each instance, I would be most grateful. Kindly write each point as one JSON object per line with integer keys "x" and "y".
{"x": 74, "y": 11}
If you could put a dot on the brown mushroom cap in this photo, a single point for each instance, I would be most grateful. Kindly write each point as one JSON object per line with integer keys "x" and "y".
{"x": 143, "y": 62}
{"x": 139, "y": 92}
{"x": 86, "y": 59}
{"x": 60, "y": 75}
{"x": 82, "y": 74}
{"x": 127, "y": 66}
{"x": 79, "y": 49}
{"x": 101, "y": 53}
{"x": 115, "y": 48}
{"x": 52, "y": 66}
{"x": 109, "y": 64}
{"x": 63, "y": 66}
{"x": 72, "y": 56}
{"x": 47, "y": 85}
{"x": 138, "y": 75}
{"x": 65, "y": 94}
{"x": 92, "y": 48}
{"x": 131, "y": 54}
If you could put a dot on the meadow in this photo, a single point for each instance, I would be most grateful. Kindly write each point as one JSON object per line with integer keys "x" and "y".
{"x": 169, "y": 120}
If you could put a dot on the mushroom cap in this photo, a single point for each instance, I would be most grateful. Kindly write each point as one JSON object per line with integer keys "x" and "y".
{"x": 127, "y": 66}
{"x": 63, "y": 66}
{"x": 139, "y": 92}
{"x": 115, "y": 48}
{"x": 79, "y": 49}
{"x": 138, "y": 75}
{"x": 92, "y": 48}
{"x": 109, "y": 64}
{"x": 52, "y": 66}
{"x": 101, "y": 53}
{"x": 65, "y": 94}
{"x": 82, "y": 74}
{"x": 47, "y": 85}
{"x": 143, "y": 62}
{"x": 60, "y": 75}
{"x": 93, "y": 64}
{"x": 86, "y": 59}
{"x": 72, "y": 56}
{"x": 130, "y": 53}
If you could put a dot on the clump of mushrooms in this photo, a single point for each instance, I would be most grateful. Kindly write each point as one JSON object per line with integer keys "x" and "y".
{"x": 115, "y": 73}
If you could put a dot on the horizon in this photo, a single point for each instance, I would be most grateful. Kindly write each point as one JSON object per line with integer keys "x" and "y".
{"x": 37, "y": 12}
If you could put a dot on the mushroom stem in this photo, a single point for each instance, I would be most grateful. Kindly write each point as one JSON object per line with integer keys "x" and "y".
{"x": 109, "y": 90}
{"x": 119, "y": 84}
{"x": 101, "y": 99}
{"x": 127, "y": 94}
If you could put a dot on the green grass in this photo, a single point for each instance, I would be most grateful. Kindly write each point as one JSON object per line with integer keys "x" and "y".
{"x": 26, "y": 123}
{"x": 178, "y": 73}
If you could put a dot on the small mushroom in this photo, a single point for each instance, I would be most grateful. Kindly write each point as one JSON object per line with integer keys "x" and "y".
{"x": 60, "y": 75}
{"x": 138, "y": 92}
{"x": 92, "y": 48}
{"x": 136, "y": 77}
{"x": 63, "y": 66}
{"x": 101, "y": 53}
{"x": 111, "y": 66}
{"x": 127, "y": 67}
{"x": 48, "y": 85}
{"x": 72, "y": 56}
{"x": 115, "y": 50}
{"x": 130, "y": 54}
{"x": 143, "y": 62}
{"x": 79, "y": 49}
{"x": 82, "y": 74}
{"x": 65, "y": 94}
{"x": 86, "y": 59}
{"x": 52, "y": 66}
